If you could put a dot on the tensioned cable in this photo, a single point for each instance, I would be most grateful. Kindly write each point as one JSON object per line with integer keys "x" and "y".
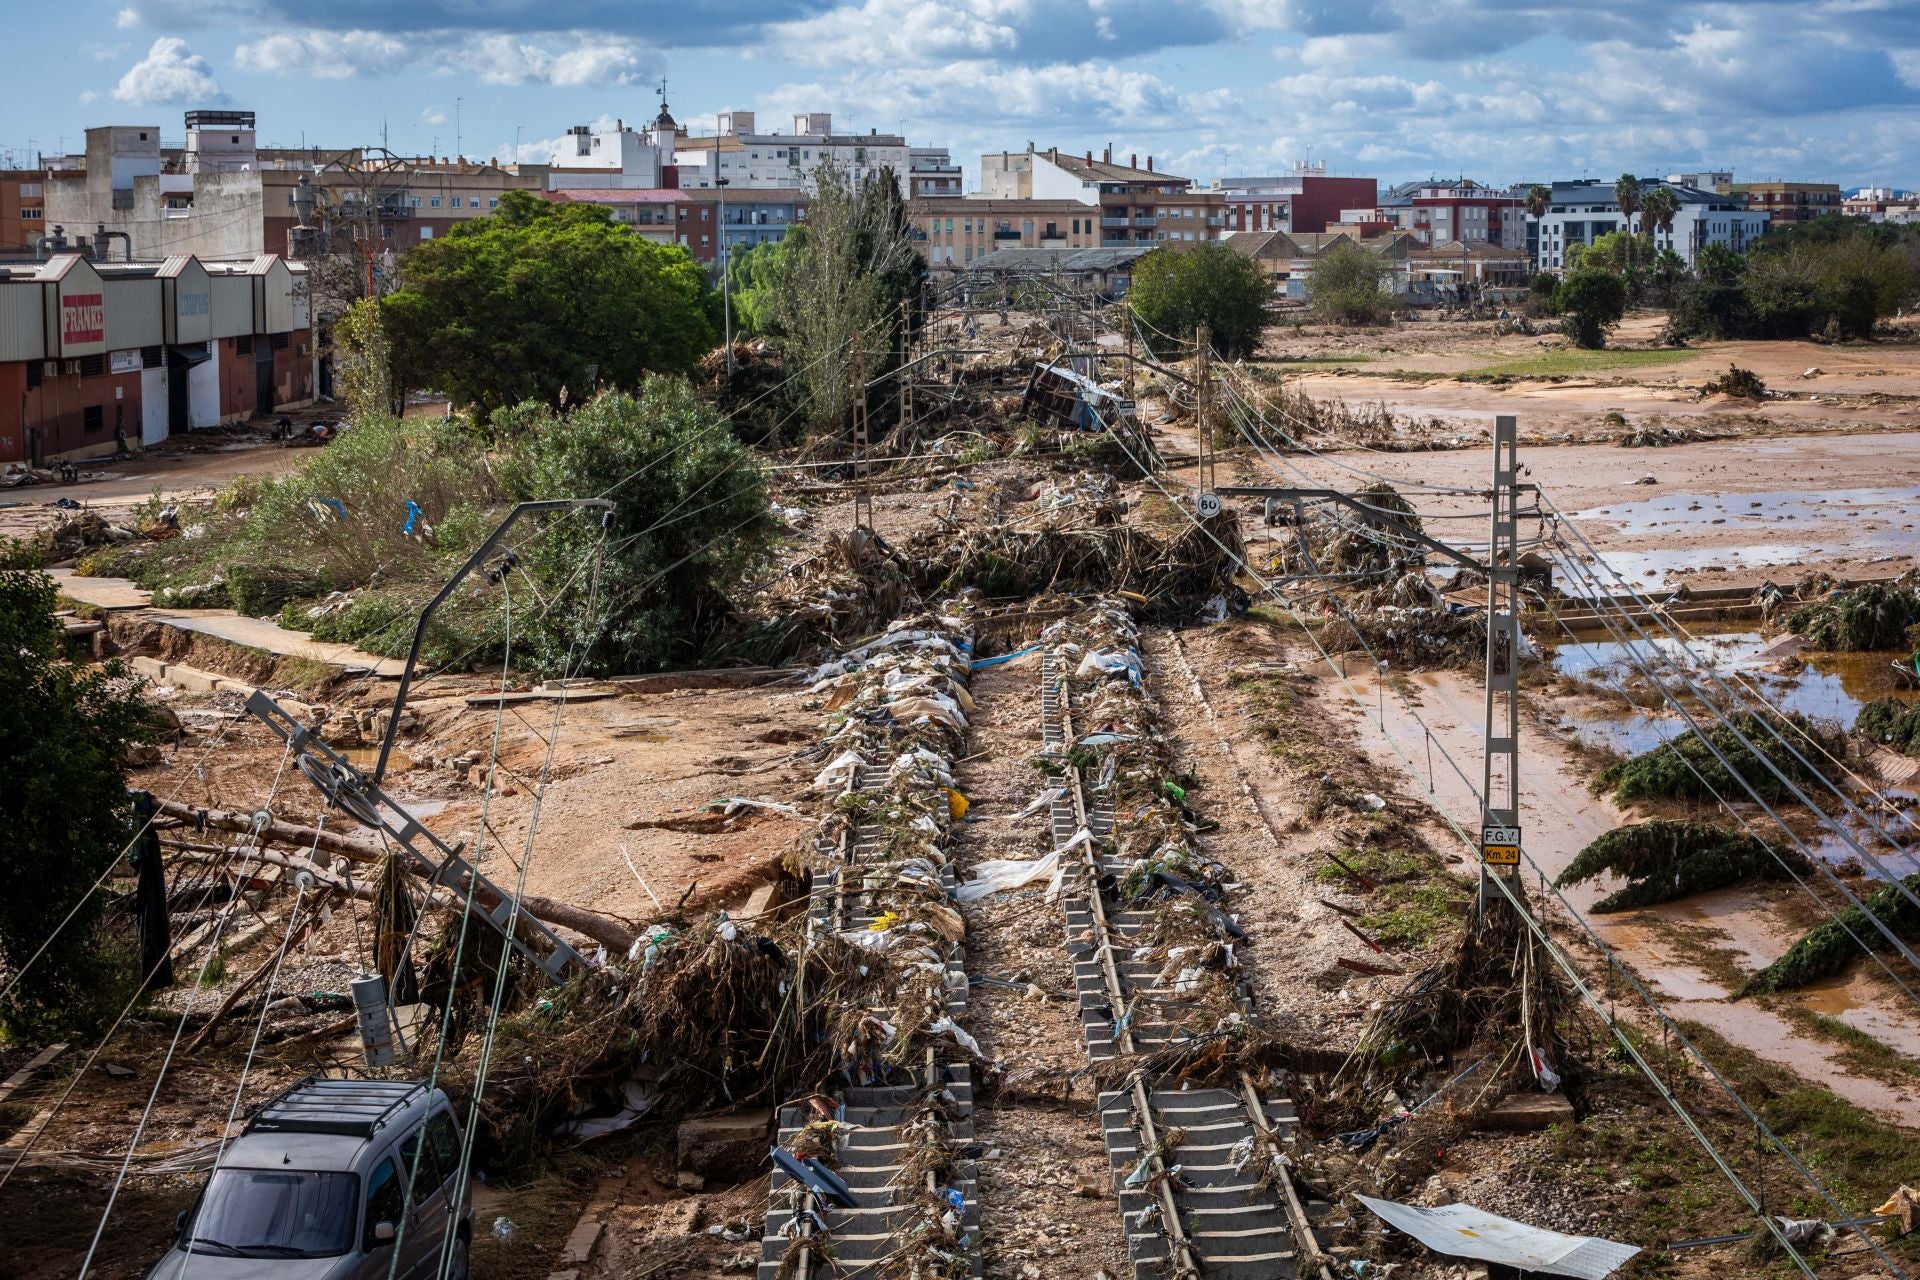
{"x": 1759, "y": 1124}
{"x": 1820, "y": 864}
{"x": 1840, "y": 829}
{"x": 213, "y": 949}
{"x": 450, "y": 1236}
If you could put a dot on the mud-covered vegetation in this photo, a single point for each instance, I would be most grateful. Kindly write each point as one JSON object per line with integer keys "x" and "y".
{"x": 1662, "y": 860}
{"x": 1891, "y": 722}
{"x": 1690, "y": 767}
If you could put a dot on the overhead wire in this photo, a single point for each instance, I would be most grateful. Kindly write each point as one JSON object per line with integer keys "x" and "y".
{"x": 1539, "y": 932}
{"x": 166, "y": 1062}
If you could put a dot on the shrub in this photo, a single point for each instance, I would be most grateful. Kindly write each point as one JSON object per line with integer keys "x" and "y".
{"x": 1892, "y": 723}
{"x": 1349, "y": 286}
{"x": 1662, "y": 860}
{"x": 1742, "y": 384}
{"x": 1593, "y": 302}
{"x": 1876, "y": 616}
{"x": 1175, "y": 291}
{"x": 1826, "y": 950}
{"x": 1686, "y": 768}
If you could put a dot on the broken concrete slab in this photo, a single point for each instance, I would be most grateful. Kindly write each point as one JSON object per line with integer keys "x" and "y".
{"x": 578, "y": 1249}
{"x": 1528, "y": 1112}
{"x": 725, "y": 1147}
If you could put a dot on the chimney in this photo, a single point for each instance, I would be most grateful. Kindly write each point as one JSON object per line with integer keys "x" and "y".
{"x": 1133, "y": 161}
{"x": 1089, "y": 155}
{"x": 1106, "y": 155}
{"x": 1149, "y": 164}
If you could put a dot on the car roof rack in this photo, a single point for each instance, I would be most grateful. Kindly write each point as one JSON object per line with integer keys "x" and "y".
{"x": 346, "y": 1108}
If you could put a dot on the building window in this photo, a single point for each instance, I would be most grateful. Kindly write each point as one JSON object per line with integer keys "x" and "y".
{"x": 31, "y": 215}
{"x": 416, "y": 202}
{"x": 152, "y": 357}
{"x": 683, "y": 218}
{"x": 29, "y": 189}
{"x": 434, "y": 202}
{"x": 243, "y": 345}
{"x": 426, "y": 233}
{"x": 93, "y": 418}
{"x": 92, "y": 366}
{"x": 493, "y": 202}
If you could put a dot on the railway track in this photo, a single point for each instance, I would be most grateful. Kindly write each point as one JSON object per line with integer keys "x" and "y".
{"x": 883, "y": 1122}
{"x": 1201, "y": 1174}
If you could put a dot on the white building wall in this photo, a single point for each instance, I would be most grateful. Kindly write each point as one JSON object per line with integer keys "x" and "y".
{"x": 1051, "y": 182}
{"x": 153, "y": 405}
{"x": 203, "y": 391}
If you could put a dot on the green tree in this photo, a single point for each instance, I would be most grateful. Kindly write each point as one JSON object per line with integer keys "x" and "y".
{"x": 849, "y": 292}
{"x": 65, "y": 730}
{"x": 691, "y": 516}
{"x": 544, "y": 298}
{"x": 1539, "y": 199}
{"x": 1176, "y": 291}
{"x": 1718, "y": 264}
{"x": 1626, "y": 194}
{"x": 1658, "y": 208}
{"x": 1349, "y": 286}
{"x": 757, "y": 279}
{"x": 364, "y": 362}
{"x": 1616, "y": 251}
{"x": 1593, "y": 302}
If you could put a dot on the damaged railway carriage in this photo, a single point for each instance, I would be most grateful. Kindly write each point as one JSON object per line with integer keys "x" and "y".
{"x": 97, "y": 354}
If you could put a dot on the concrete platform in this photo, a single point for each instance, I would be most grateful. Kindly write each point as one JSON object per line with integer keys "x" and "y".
{"x": 271, "y": 637}
{"x": 101, "y": 593}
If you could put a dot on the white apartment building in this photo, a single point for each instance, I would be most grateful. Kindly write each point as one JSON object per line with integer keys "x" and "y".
{"x": 618, "y": 157}
{"x": 1581, "y": 212}
{"x": 747, "y": 158}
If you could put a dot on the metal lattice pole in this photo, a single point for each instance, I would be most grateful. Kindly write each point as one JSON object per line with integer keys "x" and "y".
{"x": 1500, "y": 777}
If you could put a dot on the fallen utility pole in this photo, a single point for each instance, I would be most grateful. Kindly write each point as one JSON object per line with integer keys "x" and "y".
{"x": 361, "y": 798}
{"x": 610, "y": 933}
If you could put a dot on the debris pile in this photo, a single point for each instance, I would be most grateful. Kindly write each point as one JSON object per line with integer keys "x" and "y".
{"x": 1736, "y": 383}
{"x": 1662, "y": 860}
{"x": 1120, "y": 749}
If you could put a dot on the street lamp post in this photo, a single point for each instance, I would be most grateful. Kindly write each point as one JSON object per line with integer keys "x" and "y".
{"x": 726, "y": 262}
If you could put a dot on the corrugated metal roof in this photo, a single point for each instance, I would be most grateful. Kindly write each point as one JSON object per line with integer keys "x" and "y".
{"x": 1462, "y": 1231}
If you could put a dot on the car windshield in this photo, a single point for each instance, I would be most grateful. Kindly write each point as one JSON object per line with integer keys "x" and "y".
{"x": 273, "y": 1213}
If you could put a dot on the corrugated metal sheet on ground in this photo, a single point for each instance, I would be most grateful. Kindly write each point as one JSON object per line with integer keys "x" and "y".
{"x": 1462, "y": 1231}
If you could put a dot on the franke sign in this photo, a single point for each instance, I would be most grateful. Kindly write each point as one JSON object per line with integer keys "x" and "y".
{"x": 83, "y": 319}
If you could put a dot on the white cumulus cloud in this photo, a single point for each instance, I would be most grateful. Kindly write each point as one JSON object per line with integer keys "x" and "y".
{"x": 127, "y": 18}
{"x": 171, "y": 72}
{"x": 325, "y": 55}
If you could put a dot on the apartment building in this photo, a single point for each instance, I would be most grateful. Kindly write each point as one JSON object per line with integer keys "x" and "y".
{"x": 1787, "y": 201}
{"x": 221, "y": 198}
{"x": 747, "y": 158}
{"x": 1581, "y": 212}
{"x": 1467, "y": 210}
{"x": 92, "y": 352}
{"x": 22, "y": 210}
{"x": 1313, "y": 198}
{"x": 953, "y": 231}
{"x": 699, "y": 221}
{"x": 1136, "y": 205}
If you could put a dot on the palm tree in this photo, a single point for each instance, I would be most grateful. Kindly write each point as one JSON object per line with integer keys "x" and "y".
{"x": 1626, "y": 194}
{"x": 1538, "y": 198}
{"x": 1659, "y": 208}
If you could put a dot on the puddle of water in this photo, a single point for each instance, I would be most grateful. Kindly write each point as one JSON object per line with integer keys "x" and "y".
{"x": 365, "y": 758}
{"x": 1683, "y": 511}
{"x": 1830, "y": 686}
{"x": 1830, "y": 998}
{"x": 1627, "y": 734}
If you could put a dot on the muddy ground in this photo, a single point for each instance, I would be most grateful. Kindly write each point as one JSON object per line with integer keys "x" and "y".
{"x": 629, "y": 822}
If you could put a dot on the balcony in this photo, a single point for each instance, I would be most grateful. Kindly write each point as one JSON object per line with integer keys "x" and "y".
{"x": 1113, "y": 220}
{"x": 1116, "y": 242}
{"x": 1006, "y": 233}
{"x": 1147, "y": 219}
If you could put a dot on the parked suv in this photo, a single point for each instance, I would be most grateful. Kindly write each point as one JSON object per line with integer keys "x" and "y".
{"x": 316, "y": 1188}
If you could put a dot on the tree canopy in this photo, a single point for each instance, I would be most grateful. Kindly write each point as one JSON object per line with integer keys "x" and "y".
{"x": 690, "y": 516}
{"x": 1175, "y": 291}
{"x": 65, "y": 730}
{"x": 541, "y": 298}
{"x": 1593, "y": 301}
{"x": 1349, "y": 286}
{"x": 1833, "y": 277}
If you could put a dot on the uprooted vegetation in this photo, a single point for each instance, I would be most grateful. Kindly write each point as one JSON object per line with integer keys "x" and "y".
{"x": 1662, "y": 860}
{"x": 1287, "y": 418}
{"x": 1829, "y": 948}
{"x": 1736, "y": 383}
{"x": 1690, "y": 767}
{"x": 1891, "y": 722}
{"x": 1876, "y": 616}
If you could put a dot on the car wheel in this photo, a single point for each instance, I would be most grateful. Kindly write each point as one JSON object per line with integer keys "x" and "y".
{"x": 457, "y": 1260}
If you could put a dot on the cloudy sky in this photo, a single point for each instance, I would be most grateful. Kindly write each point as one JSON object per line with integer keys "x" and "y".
{"x": 1501, "y": 90}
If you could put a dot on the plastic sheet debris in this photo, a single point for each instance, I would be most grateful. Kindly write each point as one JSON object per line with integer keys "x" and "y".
{"x": 504, "y": 1228}
{"x": 639, "y": 1099}
{"x": 1111, "y": 661}
{"x": 1462, "y": 1231}
{"x": 1042, "y": 801}
{"x": 836, "y": 774}
{"x": 980, "y": 664}
{"x": 815, "y": 1177}
{"x": 1000, "y": 875}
